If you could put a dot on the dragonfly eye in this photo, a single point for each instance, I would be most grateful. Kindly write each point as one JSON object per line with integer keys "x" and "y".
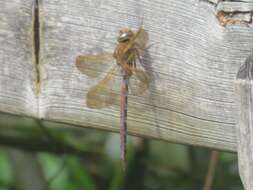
{"x": 123, "y": 37}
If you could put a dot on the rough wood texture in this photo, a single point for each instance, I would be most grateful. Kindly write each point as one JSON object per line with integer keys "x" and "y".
{"x": 193, "y": 62}
{"x": 16, "y": 57}
{"x": 244, "y": 88}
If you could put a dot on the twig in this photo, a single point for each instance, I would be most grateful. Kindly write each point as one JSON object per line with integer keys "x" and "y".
{"x": 211, "y": 170}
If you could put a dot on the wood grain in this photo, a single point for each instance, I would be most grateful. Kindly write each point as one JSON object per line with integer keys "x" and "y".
{"x": 193, "y": 62}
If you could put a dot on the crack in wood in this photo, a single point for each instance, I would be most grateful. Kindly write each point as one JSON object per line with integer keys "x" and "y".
{"x": 36, "y": 46}
{"x": 212, "y": 2}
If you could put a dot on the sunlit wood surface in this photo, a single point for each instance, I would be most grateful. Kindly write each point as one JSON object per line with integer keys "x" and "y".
{"x": 193, "y": 63}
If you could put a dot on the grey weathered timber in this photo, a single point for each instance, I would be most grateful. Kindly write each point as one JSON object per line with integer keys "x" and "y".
{"x": 16, "y": 58}
{"x": 193, "y": 62}
{"x": 244, "y": 84}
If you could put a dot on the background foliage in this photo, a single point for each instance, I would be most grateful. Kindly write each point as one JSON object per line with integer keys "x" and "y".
{"x": 89, "y": 159}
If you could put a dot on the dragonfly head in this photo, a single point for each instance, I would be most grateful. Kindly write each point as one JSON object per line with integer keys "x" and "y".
{"x": 125, "y": 35}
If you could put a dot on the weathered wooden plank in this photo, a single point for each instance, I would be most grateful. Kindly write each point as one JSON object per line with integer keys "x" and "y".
{"x": 245, "y": 124}
{"x": 16, "y": 58}
{"x": 193, "y": 61}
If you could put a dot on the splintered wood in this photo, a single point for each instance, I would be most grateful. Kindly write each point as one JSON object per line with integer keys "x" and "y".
{"x": 227, "y": 19}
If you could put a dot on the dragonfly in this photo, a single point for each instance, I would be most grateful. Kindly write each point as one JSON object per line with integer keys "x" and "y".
{"x": 128, "y": 75}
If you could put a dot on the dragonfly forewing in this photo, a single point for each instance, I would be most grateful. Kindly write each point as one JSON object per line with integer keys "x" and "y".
{"x": 141, "y": 39}
{"x": 94, "y": 65}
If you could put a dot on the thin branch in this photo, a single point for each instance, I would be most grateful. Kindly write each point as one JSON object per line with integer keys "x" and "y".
{"x": 211, "y": 170}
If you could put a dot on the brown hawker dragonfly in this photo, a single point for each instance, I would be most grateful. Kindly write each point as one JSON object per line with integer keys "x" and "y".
{"x": 129, "y": 68}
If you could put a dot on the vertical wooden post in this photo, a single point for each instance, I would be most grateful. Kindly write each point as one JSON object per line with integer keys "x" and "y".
{"x": 244, "y": 90}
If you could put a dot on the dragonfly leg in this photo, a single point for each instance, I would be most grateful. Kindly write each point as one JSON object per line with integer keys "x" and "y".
{"x": 137, "y": 54}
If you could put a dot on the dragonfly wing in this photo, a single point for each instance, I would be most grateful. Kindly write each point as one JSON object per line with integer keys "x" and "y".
{"x": 139, "y": 82}
{"x": 106, "y": 92}
{"x": 94, "y": 65}
{"x": 141, "y": 39}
